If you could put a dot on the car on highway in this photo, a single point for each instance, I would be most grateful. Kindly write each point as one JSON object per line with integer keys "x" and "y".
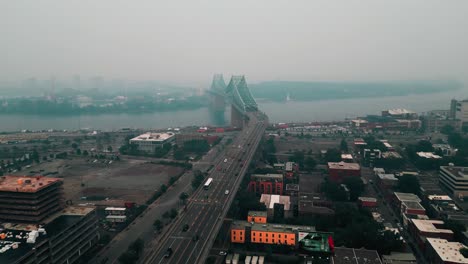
{"x": 195, "y": 238}
{"x": 185, "y": 228}
{"x": 225, "y": 160}
{"x": 226, "y": 192}
{"x": 222, "y": 253}
{"x": 168, "y": 253}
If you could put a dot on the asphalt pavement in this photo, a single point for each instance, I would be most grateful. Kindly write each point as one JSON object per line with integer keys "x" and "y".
{"x": 207, "y": 207}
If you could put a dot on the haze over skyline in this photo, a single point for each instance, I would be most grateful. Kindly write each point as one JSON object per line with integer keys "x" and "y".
{"x": 186, "y": 43}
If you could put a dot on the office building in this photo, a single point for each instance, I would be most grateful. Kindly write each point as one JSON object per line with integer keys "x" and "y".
{"x": 29, "y": 199}
{"x": 259, "y": 217}
{"x": 459, "y": 110}
{"x": 149, "y": 142}
{"x": 454, "y": 180}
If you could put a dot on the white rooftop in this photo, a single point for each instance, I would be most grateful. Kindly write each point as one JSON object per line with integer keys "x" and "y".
{"x": 439, "y": 198}
{"x": 428, "y": 155}
{"x": 429, "y": 226}
{"x": 448, "y": 251}
{"x": 343, "y": 165}
{"x": 115, "y": 209}
{"x": 347, "y": 156}
{"x": 400, "y": 111}
{"x": 270, "y": 199}
{"x": 389, "y": 176}
{"x": 157, "y": 137}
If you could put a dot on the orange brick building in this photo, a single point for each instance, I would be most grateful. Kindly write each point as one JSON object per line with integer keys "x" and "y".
{"x": 257, "y": 217}
{"x": 251, "y": 232}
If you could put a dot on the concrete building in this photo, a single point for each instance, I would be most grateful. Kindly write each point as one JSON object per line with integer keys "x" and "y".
{"x": 428, "y": 155}
{"x": 386, "y": 181}
{"x": 290, "y": 168}
{"x": 454, "y": 180}
{"x": 149, "y": 142}
{"x": 338, "y": 171}
{"x": 292, "y": 190}
{"x": 347, "y": 158}
{"x": 435, "y": 124}
{"x": 441, "y": 251}
{"x": 271, "y": 199}
{"x": 420, "y": 230}
{"x": 459, "y": 110}
{"x": 266, "y": 184}
{"x": 29, "y": 199}
{"x": 64, "y": 238}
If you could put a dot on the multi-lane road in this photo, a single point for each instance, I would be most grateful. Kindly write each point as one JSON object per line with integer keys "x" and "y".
{"x": 207, "y": 208}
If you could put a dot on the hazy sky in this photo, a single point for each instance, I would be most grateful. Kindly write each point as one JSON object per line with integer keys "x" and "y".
{"x": 188, "y": 41}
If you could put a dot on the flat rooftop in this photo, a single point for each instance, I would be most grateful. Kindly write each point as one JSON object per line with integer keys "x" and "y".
{"x": 272, "y": 227}
{"x": 156, "y": 137}
{"x": 270, "y": 199}
{"x": 413, "y": 205}
{"x": 428, "y": 155}
{"x": 407, "y": 197}
{"x": 448, "y": 251}
{"x": 439, "y": 198}
{"x": 343, "y": 166}
{"x": 292, "y": 187}
{"x": 346, "y": 156}
{"x": 399, "y": 111}
{"x": 25, "y": 184}
{"x": 367, "y": 199}
{"x": 388, "y": 177}
{"x": 257, "y": 213}
{"x": 459, "y": 172}
{"x": 355, "y": 256}
{"x": 391, "y": 155}
{"x": 429, "y": 226}
{"x": 277, "y": 177}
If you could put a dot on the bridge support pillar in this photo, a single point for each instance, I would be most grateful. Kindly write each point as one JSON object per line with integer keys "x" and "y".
{"x": 237, "y": 118}
{"x": 217, "y": 103}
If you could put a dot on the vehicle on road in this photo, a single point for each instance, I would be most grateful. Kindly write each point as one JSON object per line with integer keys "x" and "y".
{"x": 208, "y": 183}
{"x": 168, "y": 253}
{"x": 185, "y": 228}
{"x": 225, "y": 160}
{"x": 226, "y": 192}
{"x": 195, "y": 238}
{"x": 222, "y": 253}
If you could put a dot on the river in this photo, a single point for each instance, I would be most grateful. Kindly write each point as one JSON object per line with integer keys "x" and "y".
{"x": 291, "y": 111}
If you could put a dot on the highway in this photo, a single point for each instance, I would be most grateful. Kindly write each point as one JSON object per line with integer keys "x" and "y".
{"x": 206, "y": 209}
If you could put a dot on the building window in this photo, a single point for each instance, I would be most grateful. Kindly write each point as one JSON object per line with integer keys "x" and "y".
{"x": 266, "y": 234}
{"x": 272, "y": 235}
{"x": 260, "y": 234}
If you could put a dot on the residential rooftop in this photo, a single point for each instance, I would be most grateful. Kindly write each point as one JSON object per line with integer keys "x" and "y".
{"x": 413, "y": 205}
{"x": 428, "y": 155}
{"x": 26, "y": 184}
{"x": 429, "y": 226}
{"x": 346, "y": 156}
{"x": 449, "y": 252}
{"x": 257, "y": 213}
{"x": 269, "y": 176}
{"x": 388, "y": 177}
{"x": 407, "y": 197}
{"x": 270, "y": 199}
{"x": 271, "y": 227}
{"x": 399, "y": 111}
{"x": 343, "y": 166}
{"x": 391, "y": 155}
{"x": 367, "y": 199}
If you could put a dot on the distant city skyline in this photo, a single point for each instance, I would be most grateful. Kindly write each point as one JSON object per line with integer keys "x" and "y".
{"x": 357, "y": 40}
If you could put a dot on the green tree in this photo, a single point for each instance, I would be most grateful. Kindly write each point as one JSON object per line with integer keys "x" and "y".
{"x": 66, "y": 142}
{"x": 85, "y": 153}
{"x": 332, "y": 155}
{"x": 109, "y": 148}
{"x": 163, "y": 188}
{"x": 464, "y": 252}
{"x": 158, "y": 224}
{"x": 344, "y": 145}
{"x": 173, "y": 213}
{"x": 457, "y": 228}
{"x": 355, "y": 186}
{"x": 197, "y": 179}
{"x": 310, "y": 163}
{"x": 74, "y": 145}
{"x": 298, "y": 157}
{"x": 447, "y": 130}
{"x": 183, "y": 197}
{"x": 409, "y": 184}
{"x": 78, "y": 151}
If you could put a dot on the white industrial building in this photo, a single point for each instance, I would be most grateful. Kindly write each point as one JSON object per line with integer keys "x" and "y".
{"x": 148, "y": 142}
